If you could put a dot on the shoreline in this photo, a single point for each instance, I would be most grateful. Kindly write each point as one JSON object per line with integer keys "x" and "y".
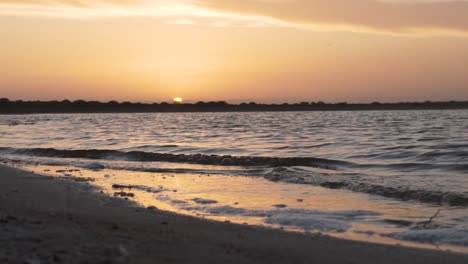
{"x": 57, "y": 221}
{"x": 81, "y": 106}
{"x": 226, "y": 111}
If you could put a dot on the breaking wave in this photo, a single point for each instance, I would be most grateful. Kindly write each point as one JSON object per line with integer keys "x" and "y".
{"x": 225, "y": 160}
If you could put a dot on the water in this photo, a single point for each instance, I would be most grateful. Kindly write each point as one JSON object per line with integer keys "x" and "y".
{"x": 417, "y": 160}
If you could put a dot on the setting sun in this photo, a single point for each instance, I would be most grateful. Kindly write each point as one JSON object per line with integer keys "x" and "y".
{"x": 178, "y": 100}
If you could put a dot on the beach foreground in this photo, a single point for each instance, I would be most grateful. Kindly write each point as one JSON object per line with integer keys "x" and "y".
{"x": 47, "y": 220}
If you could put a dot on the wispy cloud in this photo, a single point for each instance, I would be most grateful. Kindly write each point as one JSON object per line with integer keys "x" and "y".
{"x": 174, "y": 12}
{"x": 412, "y": 17}
{"x": 395, "y": 16}
{"x": 96, "y": 8}
{"x": 79, "y": 3}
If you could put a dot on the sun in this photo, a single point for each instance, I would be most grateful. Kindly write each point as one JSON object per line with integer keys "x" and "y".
{"x": 178, "y": 100}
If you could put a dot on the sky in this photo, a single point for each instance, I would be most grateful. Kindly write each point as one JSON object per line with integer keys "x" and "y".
{"x": 233, "y": 50}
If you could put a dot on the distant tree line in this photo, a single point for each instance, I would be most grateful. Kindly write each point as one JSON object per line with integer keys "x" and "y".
{"x": 81, "y": 106}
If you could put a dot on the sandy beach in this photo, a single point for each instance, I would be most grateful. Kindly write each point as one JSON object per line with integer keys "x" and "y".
{"x": 47, "y": 220}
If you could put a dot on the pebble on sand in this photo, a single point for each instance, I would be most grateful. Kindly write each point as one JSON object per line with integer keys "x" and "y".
{"x": 280, "y": 205}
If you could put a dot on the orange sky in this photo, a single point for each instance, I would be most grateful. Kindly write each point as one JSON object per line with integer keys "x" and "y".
{"x": 262, "y": 50}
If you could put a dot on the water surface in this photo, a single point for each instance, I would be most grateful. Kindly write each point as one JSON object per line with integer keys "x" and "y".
{"x": 415, "y": 160}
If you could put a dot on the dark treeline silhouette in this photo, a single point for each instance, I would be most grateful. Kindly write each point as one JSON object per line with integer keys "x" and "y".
{"x": 80, "y": 106}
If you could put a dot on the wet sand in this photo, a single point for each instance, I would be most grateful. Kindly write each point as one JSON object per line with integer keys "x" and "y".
{"x": 50, "y": 220}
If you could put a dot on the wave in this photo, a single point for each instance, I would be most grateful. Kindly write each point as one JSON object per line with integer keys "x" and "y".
{"x": 271, "y": 168}
{"x": 404, "y": 193}
{"x": 225, "y": 160}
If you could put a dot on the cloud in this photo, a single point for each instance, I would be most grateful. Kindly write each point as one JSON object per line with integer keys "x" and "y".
{"x": 81, "y": 3}
{"x": 412, "y": 17}
{"x": 99, "y": 8}
{"x": 60, "y": 8}
{"x": 177, "y": 12}
{"x": 396, "y": 16}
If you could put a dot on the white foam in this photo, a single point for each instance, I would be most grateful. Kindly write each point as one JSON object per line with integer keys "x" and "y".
{"x": 457, "y": 237}
{"x": 308, "y": 222}
{"x": 337, "y": 221}
{"x": 169, "y": 200}
{"x": 325, "y": 221}
{"x": 226, "y": 210}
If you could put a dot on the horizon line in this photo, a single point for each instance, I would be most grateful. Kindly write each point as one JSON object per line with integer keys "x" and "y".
{"x": 239, "y": 102}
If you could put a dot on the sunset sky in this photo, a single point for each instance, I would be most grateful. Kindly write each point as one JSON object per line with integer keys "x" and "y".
{"x": 234, "y": 50}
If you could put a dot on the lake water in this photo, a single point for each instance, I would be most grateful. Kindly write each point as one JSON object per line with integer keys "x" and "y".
{"x": 376, "y": 175}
